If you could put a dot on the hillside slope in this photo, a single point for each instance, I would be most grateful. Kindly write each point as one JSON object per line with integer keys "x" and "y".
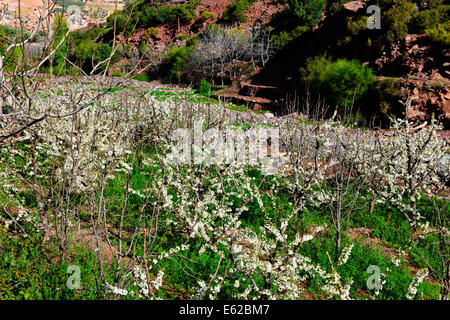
{"x": 409, "y": 54}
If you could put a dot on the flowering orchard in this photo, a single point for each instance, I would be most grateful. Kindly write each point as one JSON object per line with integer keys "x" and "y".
{"x": 98, "y": 189}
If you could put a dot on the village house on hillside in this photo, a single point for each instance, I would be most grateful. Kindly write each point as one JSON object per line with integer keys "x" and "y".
{"x": 30, "y": 10}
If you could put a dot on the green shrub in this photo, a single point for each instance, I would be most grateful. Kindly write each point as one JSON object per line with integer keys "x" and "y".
{"x": 9, "y": 32}
{"x": 117, "y": 73}
{"x": 60, "y": 27}
{"x": 119, "y": 21}
{"x": 439, "y": 34}
{"x": 152, "y": 32}
{"x": 176, "y": 60}
{"x": 193, "y": 41}
{"x": 299, "y": 17}
{"x": 284, "y": 37}
{"x": 356, "y": 25}
{"x": 424, "y": 20}
{"x": 235, "y": 11}
{"x": 13, "y": 57}
{"x": 341, "y": 81}
{"x": 283, "y": 20}
{"x": 429, "y": 19}
{"x": 206, "y": 15}
{"x": 307, "y": 12}
{"x": 101, "y": 53}
{"x": 182, "y": 36}
{"x": 397, "y": 18}
{"x": 204, "y": 87}
{"x": 397, "y": 284}
{"x": 83, "y": 51}
{"x": 166, "y": 14}
{"x": 145, "y": 16}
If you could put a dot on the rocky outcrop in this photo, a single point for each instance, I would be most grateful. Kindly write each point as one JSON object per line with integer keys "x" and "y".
{"x": 423, "y": 71}
{"x": 354, "y": 6}
{"x": 428, "y": 98}
{"x": 414, "y": 57}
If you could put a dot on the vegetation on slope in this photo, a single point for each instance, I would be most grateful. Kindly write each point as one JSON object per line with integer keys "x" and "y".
{"x": 139, "y": 226}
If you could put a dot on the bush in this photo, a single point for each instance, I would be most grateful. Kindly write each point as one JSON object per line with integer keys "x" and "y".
{"x": 146, "y": 16}
{"x": 299, "y": 17}
{"x": 166, "y": 14}
{"x": 117, "y": 73}
{"x": 12, "y": 32}
{"x": 7, "y": 33}
{"x": 356, "y": 25}
{"x": 86, "y": 53}
{"x": 12, "y": 59}
{"x": 342, "y": 81}
{"x": 424, "y": 20}
{"x": 204, "y": 87}
{"x": 101, "y": 53}
{"x": 397, "y": 18}
{"x": 176, "y": 60}
{"x": 284, "y": 37}
{"x": 235, "y": 11}
{"x": 439, "y": 34}
{"x": 429, "y": 19}
{"x": 307, "y": 12}
{"x": 152, "y": 32}
{"x": 206, "y": 15}
{"x": 283, "y": 20}
{"x": 120, "y": 21}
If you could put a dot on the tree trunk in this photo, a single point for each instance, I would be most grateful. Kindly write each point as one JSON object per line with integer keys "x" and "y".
{"x": 372, "y": 203}
{"x": 338, "y": 233}
{"x": 2, "y": 75}
{"x": 447, "y": 280}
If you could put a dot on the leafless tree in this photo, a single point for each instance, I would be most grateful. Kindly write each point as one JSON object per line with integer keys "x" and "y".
{"x": 220, "y": 49}
{"x": 21, "y": 89}
{"x": 342, "y": 187}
